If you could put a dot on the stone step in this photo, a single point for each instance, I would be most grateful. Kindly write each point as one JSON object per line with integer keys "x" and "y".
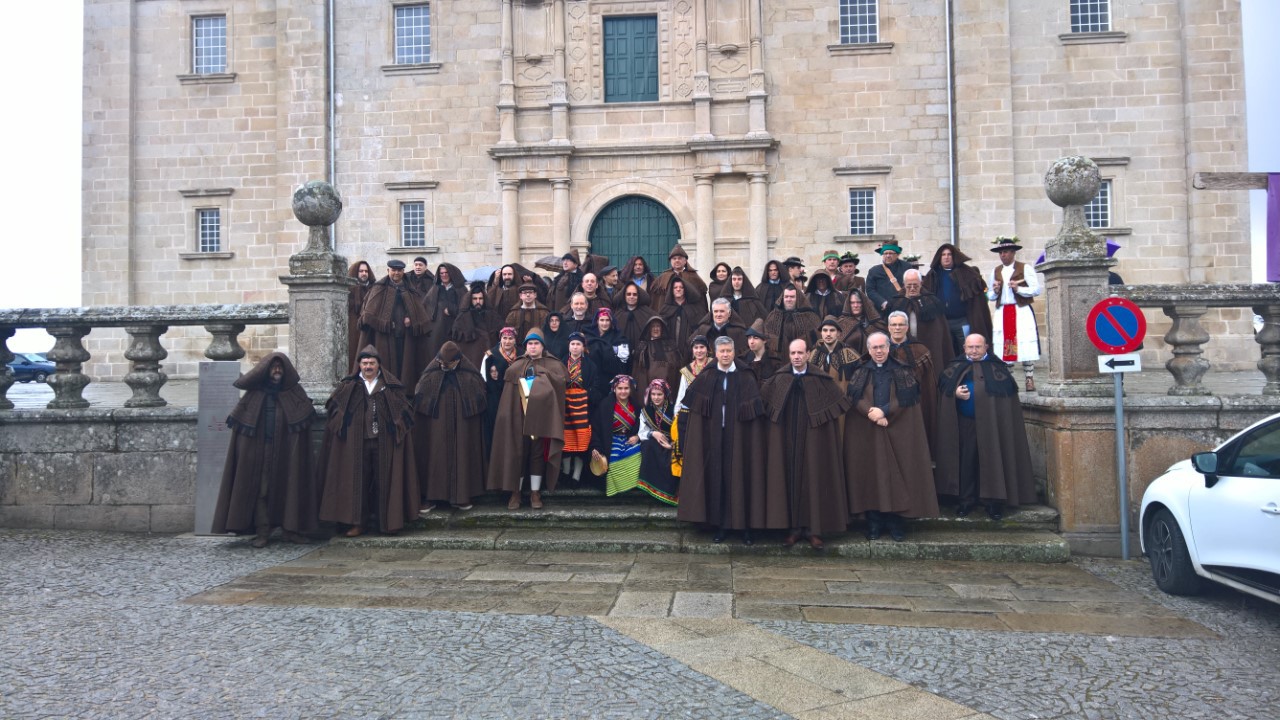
{"x": 922, "y": 543}
{"x": 636, "y": 511}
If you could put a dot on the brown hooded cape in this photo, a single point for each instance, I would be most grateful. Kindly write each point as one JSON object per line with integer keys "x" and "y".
{"x": 657, "y": 358}
{"x": 476, "y": 330}
{"x": 355, "y": 301}
{"x": 973, "y": 288}
{"x": 381, "y": 321}
{"x": 783, "y": 326}
{"x": 279, "y": 455}
{"x": 450, "y": 402}
{"x": 854, "y": 331}
{"x": 725, "y": 484}
{"x": 804, "y": 436}
{"x": 748, "y": 307}
{"x": 631, "y": 323}
{"x": 888, "y": 469}
{"x": 543, "y": 419}
{"x": 443, "y": 306}
{"x": 931, "y": 323}
{"x": 341, "y": 463}
{"x": 1004, "y": 457}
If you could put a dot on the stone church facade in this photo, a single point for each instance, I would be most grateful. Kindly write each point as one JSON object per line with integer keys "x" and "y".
{"x": 486, "y": 131}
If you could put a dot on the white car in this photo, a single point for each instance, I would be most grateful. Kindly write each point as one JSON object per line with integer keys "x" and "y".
{"x": 1217, "y": 516}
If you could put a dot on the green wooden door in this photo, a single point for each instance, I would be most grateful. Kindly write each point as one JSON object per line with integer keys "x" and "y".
{"x": 631, "y": 59}
{"x": 635, "y": 225}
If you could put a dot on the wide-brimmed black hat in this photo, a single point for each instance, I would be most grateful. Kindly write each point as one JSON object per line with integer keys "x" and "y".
{"x": 1005, "y": 242}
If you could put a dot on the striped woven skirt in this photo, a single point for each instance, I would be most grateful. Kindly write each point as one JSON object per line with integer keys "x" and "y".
{"x": 624, "y": 466}
{"x": 577, "y": 421}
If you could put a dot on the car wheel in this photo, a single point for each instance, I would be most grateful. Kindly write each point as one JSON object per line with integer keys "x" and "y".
{"x": 40, "y": 377}
{"x": 1170, "y": 563}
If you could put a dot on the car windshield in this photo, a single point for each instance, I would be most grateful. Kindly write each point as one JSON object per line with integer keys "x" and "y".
{"x": 32, "y": 357}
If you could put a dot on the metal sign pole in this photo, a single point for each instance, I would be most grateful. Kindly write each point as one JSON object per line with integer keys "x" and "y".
{"x": 1120, "y": 468}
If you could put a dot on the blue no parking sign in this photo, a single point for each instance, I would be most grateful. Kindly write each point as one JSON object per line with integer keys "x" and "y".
{"x": 1116, "y": 326}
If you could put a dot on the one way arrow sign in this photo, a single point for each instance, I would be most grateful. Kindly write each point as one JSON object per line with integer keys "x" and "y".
{"x": 1129, "y": 362}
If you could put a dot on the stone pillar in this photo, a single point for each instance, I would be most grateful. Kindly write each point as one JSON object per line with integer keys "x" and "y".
{"x": 1075, "y": 279}
{"x": 318, "y": 286}
{"x": 507, "y": 87}
{"x": 704, "y": 206}
{"x": 758, "y": 223}
{"x": 68, "y": 353}
{"x": 1268, "y": 337}
{"x": 757, "y": 129}
{"x": 701, "y": 76}
{"x": 224, "y": 341}
{"x": 559, "y": 216}
{"x": 6, "y": 375}
{"x": 145, "y": 377}
{"x": 559, "y": 83}
{"x": 511, "y": 221}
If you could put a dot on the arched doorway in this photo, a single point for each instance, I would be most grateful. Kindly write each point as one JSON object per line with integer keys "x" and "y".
{"x": 635, "y": 225}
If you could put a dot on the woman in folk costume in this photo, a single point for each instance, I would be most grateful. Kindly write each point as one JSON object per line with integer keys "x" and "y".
{"x": 858, "y": 321}
{"x": 615, "y": 434}
{"x": 1014, "y": 284}
{"x": 582, "y": 392}
{"x": 607, "y": 347}
{"x": 701, "y": 351}
{"x": 657, "y": 424}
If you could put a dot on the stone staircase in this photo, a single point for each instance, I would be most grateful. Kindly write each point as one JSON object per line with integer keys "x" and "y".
{"x": 584, "y": 520}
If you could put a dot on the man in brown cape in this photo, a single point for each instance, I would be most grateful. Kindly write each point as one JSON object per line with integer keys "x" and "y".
{"x": 528, "y": 436}
{"x": 681, "y": 314}
{"x": 849, "y": 279}
{"x": 450, "y": 402}
{"x": 363, "y": 274}
{"x": 695, "y": 289}
{"x": 567, "y": 282}
{"x": 419, "y": 276}
{"x": 448, "y": 297}
{"x": 981, "y": 442}
{"x": 722, "y": 322}
{"x": 926, "y": 317}
{"x": 963, "y": 293}
{"x": 805, "y": 406}
{"x": 886, "y": 452}
{"x": 367, "y": 460}
{"x": 723, "y": 435}
{"x": 791, "y": 319}
{"x": 529, "y": 314}
{"x": 476, "y": 329}
{"x": 267, "y": 480}
{"x": 395, "y": 322}
{"x": 757, "y": 358}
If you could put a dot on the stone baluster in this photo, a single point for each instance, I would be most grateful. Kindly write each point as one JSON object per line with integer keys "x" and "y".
{"x": 225, "y": 344}
{"x": 1185, "y": 337}
{"x": 68, "y": 354}
{"x": 1269, "y": 338}
{"x": 144, "y": 354}
{"x": 6, "y": 375}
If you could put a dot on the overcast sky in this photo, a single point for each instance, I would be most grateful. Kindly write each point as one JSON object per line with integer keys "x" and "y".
{"x": 40, "y": 69}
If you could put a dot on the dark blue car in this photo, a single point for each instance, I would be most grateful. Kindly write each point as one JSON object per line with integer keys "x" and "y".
{"x": 30, "y": 366}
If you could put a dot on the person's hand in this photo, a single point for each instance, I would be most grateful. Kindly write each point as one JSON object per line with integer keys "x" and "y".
{"x": 875, "y": 415}
{"x": 406, "y": 322}
{"x": 883, "y": 422}
{"x": 962, "y": 392}
{"x": 997, "y": 287}
{"x": 633, "y": 440}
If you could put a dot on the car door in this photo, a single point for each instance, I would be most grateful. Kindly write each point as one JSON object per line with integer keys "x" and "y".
{"x": 1236, "y": 523}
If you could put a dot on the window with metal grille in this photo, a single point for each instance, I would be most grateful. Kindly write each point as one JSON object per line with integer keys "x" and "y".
{"x": 859, "y": 21}
{"x": 862, "y": 211}
{"x": 413, "y": 34}
{"x": 1097, "y": 214}
{"x": 631, "y": 59}
{"x": 1090, "y": 16}
{"x": 413, "y": 224}
{"x": 209, "y": 229}
{"x": 209, "y": 44}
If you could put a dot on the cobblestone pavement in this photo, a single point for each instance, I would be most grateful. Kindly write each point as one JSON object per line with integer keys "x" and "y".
{"x": 107, "y": 625}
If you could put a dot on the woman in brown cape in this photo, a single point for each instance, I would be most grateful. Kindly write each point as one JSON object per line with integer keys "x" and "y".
{"x": 267, "y": 480}
{"x": 858, "y": 321}
{"x": 450, "y": 402}
{"x": 743, "y": 298}
{"x": 446, "y": 299}
{"x": 363, "y": 274}
{"x": 718, "y": 279}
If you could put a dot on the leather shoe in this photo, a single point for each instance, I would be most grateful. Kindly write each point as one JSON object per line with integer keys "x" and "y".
{"x": 514, "y": 502}
{"x": 815, "y": 542}
{"x": 535, "y": 500}
{"x": 747, "y": 539}
{"x": 873, "y": 531}
{"x": 964, "y": 509}
{"x": 897, "y": 533}
{"x": 296, "y": 538}
{"x": 718, "y": 537}
{"x": 995, "y": 511}
{"x": 792, "y": 539}
{"x": 260, "y": 541}
{"x": 355, "y": 531}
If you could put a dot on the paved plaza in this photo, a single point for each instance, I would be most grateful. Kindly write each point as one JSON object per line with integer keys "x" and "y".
{"x": 125, "y": 625}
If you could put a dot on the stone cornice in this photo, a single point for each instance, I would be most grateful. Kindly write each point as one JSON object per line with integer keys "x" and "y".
{"x": 883, "y": 48}
{"x": 411, "y": 69}
{"x": 1093, "y": 38}
{"x": 206, "y": 192}
{"x": 411, "y": 185}
{"x": 863, "y": 170}
{"x": 207, "y": 79}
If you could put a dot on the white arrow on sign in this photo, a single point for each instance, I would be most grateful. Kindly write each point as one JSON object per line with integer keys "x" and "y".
{"x": 1129, "y": 362}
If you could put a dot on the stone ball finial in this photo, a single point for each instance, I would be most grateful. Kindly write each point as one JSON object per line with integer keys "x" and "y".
{"x": 1072, "y": 180}
{"x": 317, "y": 204}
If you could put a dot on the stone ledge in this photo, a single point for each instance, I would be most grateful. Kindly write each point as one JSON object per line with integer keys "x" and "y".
{"x": 206, "y": 256}
{"x": 207, "y": 78}
{"x": 428, "y": 68}
{"x": 130, "y": 315}
{"x": 878, "y": 48}
{"x": 1093, "y": 38}
{"x": 424, "y": 250}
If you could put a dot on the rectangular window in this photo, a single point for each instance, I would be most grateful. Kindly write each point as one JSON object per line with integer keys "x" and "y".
{"x": 859, "y": 21}
{"x": 413, "y": 34}
{"x": 1097, "y": 214}
{"x": 862, "y": 211}
{"x": 209, "y": 45}
{"x": 413, "y": 224}
{"x": 1090, "y": 16}
{"x": 631, "y": 59}
{"x": 209, "y": 229}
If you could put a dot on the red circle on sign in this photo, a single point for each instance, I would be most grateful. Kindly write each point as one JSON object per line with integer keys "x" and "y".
{"x": 1116, "y": 326}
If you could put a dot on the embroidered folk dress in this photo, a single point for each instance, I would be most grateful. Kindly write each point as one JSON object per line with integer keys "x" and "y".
{"x": 1014, "y": 335}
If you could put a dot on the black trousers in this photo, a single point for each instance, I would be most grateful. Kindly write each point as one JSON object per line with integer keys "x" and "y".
{"x": 969, "y": 468}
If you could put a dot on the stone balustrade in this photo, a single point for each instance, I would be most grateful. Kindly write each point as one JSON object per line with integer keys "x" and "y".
{"x": 1186, "y": 304}
{"x": 145, "y": 325}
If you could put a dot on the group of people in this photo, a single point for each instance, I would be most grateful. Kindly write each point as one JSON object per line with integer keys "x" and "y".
{"x": 797, "y": 403}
